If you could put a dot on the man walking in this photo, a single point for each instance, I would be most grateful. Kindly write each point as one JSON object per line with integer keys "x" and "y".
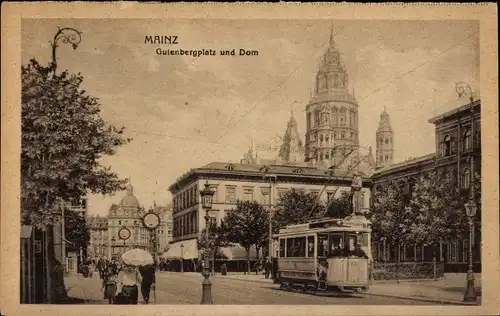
{"x": 148, "y": 281}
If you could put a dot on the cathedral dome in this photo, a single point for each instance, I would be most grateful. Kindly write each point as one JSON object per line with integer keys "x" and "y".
{"x": 129, "y": 199}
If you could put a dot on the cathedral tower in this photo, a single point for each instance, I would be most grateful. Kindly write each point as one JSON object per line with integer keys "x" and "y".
{"x": 332, "y": 113}
{"x": 385, "y": 141}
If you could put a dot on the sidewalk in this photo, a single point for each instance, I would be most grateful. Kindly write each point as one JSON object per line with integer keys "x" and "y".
{"x": 447, "y": 290}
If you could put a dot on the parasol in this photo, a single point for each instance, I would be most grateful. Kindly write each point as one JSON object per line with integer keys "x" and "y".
{"x": 137, "y": 257}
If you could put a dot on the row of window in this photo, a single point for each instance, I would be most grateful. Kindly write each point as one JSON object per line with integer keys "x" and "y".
{"x": 345, "y": 118}
{"x": 327, "y": 245}
{"x": 455, "y": 251}
{"x": 449, "y": 147}
{"x": 338, "y": 80}
{"x": 384, "y": 158}
{"x": 185, "y": 199}
{"x": 186, "y": 224}
{"x": 325, "y": 139}
{"x": 317, "y": 154}
{"x": 387, "y": 140}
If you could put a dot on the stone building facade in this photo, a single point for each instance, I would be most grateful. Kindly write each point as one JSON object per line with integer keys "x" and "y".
{"x": 458, "y": 150}
{"x": 233, "y": 182}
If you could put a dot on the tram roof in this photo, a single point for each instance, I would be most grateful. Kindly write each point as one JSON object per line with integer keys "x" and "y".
{"x": 350, "y": 223}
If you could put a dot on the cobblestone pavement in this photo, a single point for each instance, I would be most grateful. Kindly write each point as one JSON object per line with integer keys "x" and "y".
{"x": 185, "y": 288}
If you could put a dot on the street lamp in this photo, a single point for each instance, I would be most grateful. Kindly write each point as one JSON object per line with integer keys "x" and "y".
{"x": 67, "y": 35}
{"x": 206, "y": 202}
{"x": 272, "y": 178}
{"x": 470, "y": 211}
{"x": 182, "y": 257}
{"x": 113, "y": 240}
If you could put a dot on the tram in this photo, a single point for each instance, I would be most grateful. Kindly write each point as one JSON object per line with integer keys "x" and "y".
{"x": 326, "y": 255}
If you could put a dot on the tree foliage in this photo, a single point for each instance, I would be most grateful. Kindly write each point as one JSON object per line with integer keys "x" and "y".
{"x": 76, "y": 229}
{"x": 63, "y": 139}
{"x": 218, "y": 239}
{"x": 339, "y": 207}
{"x": 295, "y": 205}
{"x": 247, "y": 225}
{"x": 439, "y": 205}
{"x": 391, "y": 217}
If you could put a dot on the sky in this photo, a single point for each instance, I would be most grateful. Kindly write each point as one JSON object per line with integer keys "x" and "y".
{"x": 183, "y": 112}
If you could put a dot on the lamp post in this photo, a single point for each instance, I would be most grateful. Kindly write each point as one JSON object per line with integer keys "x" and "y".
{"x": 463, "y": 88}
{"x": 151, "y": 221}
{"x": 113, "y": 240}
{"x": 182, "y": 257}
{"x": 206, "y": 202}
{"x": 67, "y": 35}
{"x": 272, "y": 179}
{"x": 470, "y": 294}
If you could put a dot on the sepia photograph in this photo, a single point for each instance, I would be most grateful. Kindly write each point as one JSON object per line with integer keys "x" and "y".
{"x": 244, "y": 161}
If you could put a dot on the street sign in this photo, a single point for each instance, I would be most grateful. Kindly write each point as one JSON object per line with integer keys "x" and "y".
{"x": 151, "y": 220}
{"x": 124, "y": 233}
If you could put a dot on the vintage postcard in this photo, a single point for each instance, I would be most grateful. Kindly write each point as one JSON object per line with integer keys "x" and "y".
{"x": 252, "y": 158}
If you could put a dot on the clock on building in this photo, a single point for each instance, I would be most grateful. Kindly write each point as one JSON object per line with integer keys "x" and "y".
{"x": 124, "y": 233}
{"x": 151, "y": 220}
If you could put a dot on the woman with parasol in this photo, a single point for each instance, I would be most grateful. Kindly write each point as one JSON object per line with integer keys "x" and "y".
{"x": 129, "y": 277}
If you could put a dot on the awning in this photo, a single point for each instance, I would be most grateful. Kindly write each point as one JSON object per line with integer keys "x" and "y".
{"x": 188, "y": 251}
{"x": 239, "y": 253}
{"x": 26, "y": 231}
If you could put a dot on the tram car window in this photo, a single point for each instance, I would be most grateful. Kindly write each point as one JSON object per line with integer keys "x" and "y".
{"x": 282, "y": 247}
{"x": 322, "y": 245}
{"x": 336, "y": 245}
{"x": 310, "y": 246}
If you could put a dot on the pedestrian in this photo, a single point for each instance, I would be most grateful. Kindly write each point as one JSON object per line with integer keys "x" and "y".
{"x": 267, "y": 268}
{"x": 148, "y": 281}
{"x": 128, "y": 285}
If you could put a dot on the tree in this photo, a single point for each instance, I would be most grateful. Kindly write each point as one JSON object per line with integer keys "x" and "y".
{"x": 295, "y": 205}
{"x": 246, "y": 225}
{"x": 217, "y": 241}
{"x": 439, "y": 205}
{"x": 76, "y": 229}
{"x": 339, "y": 207}
{"x": 63, "y": 139}
{"x": 392, "y": 219}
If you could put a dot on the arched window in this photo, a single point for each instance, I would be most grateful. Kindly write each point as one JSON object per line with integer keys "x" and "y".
{"x": 387, "y": 140}
{"x": 316, "y": 118}
{"x": 326, "y": 156}
{"x": 342, "y": 135}
{"x": 335, "y": 116}
{"x": 342, "y": 116}
{"x": 320, "y": 138}
{"x": 327, "y": 138}
{"x": 467, "y": 141}
{"x": 334, "y": 135}
{"x": 380, "y": 140}
{"x": 465, "y": 178}
{"x": 386, "y": 157}
{"x": 321, "y": 156}
{"x": 446, "y": 146}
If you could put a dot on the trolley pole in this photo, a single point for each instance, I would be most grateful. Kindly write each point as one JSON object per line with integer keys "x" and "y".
{"x": 63, "y": 241}
{"x": 272, "y": 180}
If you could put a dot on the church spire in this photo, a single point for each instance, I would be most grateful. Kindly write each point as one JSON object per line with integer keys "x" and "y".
{"x": 332, "y": 42}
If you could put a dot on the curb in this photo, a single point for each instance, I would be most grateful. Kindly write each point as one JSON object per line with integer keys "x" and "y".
{"x": 247, "y": 280}
{"x": 423, "y": 299}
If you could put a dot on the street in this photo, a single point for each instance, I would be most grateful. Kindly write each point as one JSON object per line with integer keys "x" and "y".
{"x": 178, "y": 288}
